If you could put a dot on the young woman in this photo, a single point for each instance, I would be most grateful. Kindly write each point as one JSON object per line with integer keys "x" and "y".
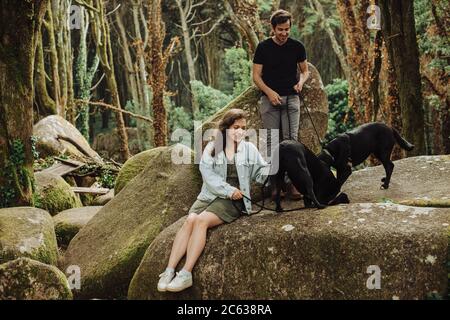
{"x": 228, "y": 165}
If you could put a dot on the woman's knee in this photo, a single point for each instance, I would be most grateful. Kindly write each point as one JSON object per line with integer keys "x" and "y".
{"x": 190, "y": 220}
{"x": 203, "y": 220}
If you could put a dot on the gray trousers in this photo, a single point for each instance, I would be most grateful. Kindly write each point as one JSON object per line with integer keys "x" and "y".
{"x": 284, "y": 117}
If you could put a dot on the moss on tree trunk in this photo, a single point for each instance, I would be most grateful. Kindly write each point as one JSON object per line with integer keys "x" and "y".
{"x": 19, "y": 24}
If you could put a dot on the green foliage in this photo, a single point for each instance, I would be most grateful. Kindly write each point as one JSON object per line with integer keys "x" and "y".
{"x": 180, "y": 119}
{"x": 337, "y": 93}
{"x": 14, "y": 175}
{"x": 430, "y": 42}
{"x": 264, "y": 6}
{"x": 107, "y": 179}
{"x": 34, "y": 151}
{"x": 238, "y": 64}
{"x": 313, "y": 22}
{"x": 210, "y": 100}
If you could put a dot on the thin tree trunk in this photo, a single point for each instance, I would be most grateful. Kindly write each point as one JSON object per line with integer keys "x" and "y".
{"x": 46, "y": 104}
{"x": 317, "y": 6}
{"x": 103, "y": 41}
{"x": 359, "y": 56}
{"x": 49, "y": 25}
{"x": 143, "y": 127}
{"x": 157, "y": 62}
{"x": 399, "y": 33}
{"x": 20, "y": 23}
{"x": 183, "y": 12}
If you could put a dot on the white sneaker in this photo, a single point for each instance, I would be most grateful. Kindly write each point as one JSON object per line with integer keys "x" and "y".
{"x": 182, "y": 281}
{"x": 165, "y": 279}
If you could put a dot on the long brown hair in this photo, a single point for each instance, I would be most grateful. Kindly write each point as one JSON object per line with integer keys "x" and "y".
{"x": 227, "y": 121}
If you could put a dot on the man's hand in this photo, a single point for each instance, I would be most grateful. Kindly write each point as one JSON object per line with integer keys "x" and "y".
{"x": 274, "y": 98}
{"x": 237, "y": 195}
{"x": 298, "y": 87}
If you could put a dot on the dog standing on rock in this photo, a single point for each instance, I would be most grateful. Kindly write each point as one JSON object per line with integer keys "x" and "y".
{"x": 352, "y": 148}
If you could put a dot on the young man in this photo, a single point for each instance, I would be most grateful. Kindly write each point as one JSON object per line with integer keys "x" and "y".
{"x": 277, "y": 63}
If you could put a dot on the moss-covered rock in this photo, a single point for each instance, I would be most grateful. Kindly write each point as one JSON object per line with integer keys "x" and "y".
{"x": 419, "y": 181}
{"x": 27, "y": 232}
{"x": 134, "y": 166}
{"x": 68, "y": 223}
{"x": 110, "y": 247}
{"x": 103, "y": 199}
{"x": 27, "y": 279}
{"x": 56, "y": 136}
{"x": 312, "y": 254}
{"x": 55, "y": 194}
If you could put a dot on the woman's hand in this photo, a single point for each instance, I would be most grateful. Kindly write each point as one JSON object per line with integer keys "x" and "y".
{"x": 237, "y": 195}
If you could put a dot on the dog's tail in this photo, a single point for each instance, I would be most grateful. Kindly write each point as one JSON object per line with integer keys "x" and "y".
{"x": 402, "y": 142}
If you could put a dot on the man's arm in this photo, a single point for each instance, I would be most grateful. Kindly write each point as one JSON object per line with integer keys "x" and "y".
{"x": 304, "y": 75}
{"x": 273, "y": 97}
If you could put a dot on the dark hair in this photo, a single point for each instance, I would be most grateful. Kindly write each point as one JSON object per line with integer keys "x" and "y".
{"x": 225, "y": 123}
{"x": 280, "y": 17}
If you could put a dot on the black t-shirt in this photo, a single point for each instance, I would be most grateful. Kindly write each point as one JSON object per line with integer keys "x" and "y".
{"x": 280, "y": 64}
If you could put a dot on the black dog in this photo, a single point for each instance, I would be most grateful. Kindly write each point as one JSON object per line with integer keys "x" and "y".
{"x": 352, "y": 148}
{"x": 308, "y": 174}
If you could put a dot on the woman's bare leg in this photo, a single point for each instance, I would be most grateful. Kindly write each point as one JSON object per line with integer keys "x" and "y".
{"x": 197, "y": 241}
{"x": 181, "y": 240}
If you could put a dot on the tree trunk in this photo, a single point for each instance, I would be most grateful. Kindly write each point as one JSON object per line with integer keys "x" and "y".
{"x": 49, "y": 26}
{"x": 46, "y": 104}
{"x": 19, "y": 25}
{"x": 144, "y": 129}
{"x": 102, "y": 37}
{"x": 399, "y": 32}
{"x": 317, "y": 7}
{"x": 359, "y": 56}
{"x": 188, "y": 49}
{"x": 157, "y": 63}
{"x": 84, "y": 75}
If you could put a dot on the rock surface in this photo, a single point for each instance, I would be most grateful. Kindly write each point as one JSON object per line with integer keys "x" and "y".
{"x": 26, "y": 279}
{"x": 27, "y": 232}
{"x": 311, "y": 254}
{"x": 55, "y": 194}
{"x": 68, "y": 223}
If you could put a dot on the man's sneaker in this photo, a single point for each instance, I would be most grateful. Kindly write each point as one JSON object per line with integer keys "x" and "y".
{"x": 182, "y": 281}
{"x": 165, "y": 279}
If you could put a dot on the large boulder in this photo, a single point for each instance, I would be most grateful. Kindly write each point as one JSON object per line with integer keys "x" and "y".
{"x": 110, "y": 247}
{"x": 422, "y": 180}
{"x": 56, "y": 136}
{"x": 27, "y": 232}
{"x": 134, "y": 166}
{"x": 26, "y": 279}
{"x": 313, "y": 97}
{"x": 335, "y": 253}
{"x": 68, "y": 223}
{"x": 55, "y": 194}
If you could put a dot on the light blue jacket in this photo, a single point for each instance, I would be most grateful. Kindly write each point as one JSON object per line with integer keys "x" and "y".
{"x": 250, "y": 166}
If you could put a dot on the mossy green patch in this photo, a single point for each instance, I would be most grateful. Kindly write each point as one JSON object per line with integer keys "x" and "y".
{"x": 27, "y": 279}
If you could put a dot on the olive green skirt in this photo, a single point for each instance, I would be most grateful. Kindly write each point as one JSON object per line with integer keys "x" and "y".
{"x": 223, "y": 208}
